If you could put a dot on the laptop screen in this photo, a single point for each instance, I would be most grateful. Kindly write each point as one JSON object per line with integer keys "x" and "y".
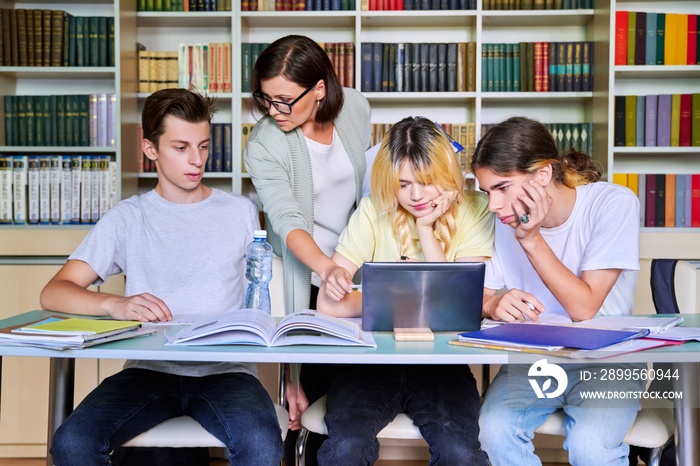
{"x": 442, "y": 296}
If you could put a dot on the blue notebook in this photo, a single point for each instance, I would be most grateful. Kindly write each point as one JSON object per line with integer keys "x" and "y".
{"x": 543, "y": 335}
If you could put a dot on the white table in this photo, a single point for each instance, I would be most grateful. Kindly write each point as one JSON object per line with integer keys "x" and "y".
{"x": 685, "y": 357}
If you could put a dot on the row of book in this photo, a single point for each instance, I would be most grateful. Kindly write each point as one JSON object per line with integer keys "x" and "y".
{"x": 86, "y": 120}
{"x": 200, "y": 66}
{"x": 537, "y": 4}
{"x": 645, "y": 38}
{"x": 220, "y": 152}
{"x": 567, "y": 136}
{"x": 55, "y": 38}
{"x": 298, "y": 5}
{"x": 341, "y": 55}
{"x": 56, "y": 189}
{"x": 393, "y": 5}
{"x": 183, "y": 5}
{"x": 665, "y": 120}
{"x": 537, "y": 67}
{"x": 666, "y": 200}
{"x": 419, "y": 67}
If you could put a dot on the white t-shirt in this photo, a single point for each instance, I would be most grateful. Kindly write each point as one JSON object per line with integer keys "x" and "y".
{"x": 192, "y": 256}
{"x": 602, "y": 232}
{"x": 334, "y": 193}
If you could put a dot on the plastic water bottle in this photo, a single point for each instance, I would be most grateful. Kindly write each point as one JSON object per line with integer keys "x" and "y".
{"x": 258, "y": 272}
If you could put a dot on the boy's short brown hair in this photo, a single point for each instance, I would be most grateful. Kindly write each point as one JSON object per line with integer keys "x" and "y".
{"x": 180, "y": 103}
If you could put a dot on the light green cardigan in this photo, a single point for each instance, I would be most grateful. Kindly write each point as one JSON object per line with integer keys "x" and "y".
{"x": 280, "y": 167}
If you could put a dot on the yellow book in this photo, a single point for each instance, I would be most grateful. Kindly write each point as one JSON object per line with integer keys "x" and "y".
{"x": 670, "y": 201}
{"x": 681, "y": 39}
{"x": 671, "y": 39}
{"x": 633, "y": 182}
{"x": 620, "y": 178}
{"x": 79, "y": 326}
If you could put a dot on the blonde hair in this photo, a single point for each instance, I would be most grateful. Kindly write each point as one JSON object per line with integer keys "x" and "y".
{"x": 421, "y": 143}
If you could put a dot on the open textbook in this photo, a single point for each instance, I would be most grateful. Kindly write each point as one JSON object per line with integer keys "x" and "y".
{"x": 255, "y": 327}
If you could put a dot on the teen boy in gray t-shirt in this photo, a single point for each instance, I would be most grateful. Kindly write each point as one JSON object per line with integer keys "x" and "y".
{"x": 181, "y": 247}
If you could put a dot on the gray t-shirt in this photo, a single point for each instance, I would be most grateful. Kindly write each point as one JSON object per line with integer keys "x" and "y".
{"x": 192, "y": 256}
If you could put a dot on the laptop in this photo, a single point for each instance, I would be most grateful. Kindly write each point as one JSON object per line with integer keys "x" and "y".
{"x": 442, "y": 296}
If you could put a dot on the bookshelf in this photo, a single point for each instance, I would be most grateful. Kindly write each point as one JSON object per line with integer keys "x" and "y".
{"x": 642, "y": 80}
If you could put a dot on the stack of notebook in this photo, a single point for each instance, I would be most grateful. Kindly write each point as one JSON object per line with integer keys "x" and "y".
{"x": 61, "y": 333}
{"x": 596, "y": 338}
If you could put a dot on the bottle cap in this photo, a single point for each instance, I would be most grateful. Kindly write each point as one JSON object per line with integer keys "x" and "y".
{"x": 260, "y": 234}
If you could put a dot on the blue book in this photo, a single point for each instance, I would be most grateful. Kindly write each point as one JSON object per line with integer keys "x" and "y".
{"x": 552, "y": 336}
{"x": 651, "y": 39}
{"x": 680, "y": 201}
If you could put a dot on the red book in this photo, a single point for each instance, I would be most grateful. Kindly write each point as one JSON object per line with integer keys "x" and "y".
{"x": 539, "y": 62}
{"x": 695, "y": 201}
{"x": 692, "y": 39}
{"x": 545, "y": 66}
{"x": 621, "y": 37}
{"x": 684, "y": 139}
{"x": 650, "y": 202}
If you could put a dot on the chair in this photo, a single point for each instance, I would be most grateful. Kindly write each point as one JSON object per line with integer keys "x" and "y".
{"x": 183, "y": 431}
{"x": 653, "y": 426}
{"x": 401, "y": 427}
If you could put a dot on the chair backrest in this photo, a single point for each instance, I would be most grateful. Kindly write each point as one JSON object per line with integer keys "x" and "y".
{"x": 687, "y": 285}
{"x": 667, "y": 285}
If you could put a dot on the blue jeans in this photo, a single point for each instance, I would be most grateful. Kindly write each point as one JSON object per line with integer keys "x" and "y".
{"x": 233, "y": 407}
{"x": 442, "y": 401}
{"x": 594, "y": 429}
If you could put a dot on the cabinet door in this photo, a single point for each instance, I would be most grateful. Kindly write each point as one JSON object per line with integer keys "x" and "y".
{"x": 25, "y": 381}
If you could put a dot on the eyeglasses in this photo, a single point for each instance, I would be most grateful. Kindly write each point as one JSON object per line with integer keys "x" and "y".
{"x": 282, "y": 107}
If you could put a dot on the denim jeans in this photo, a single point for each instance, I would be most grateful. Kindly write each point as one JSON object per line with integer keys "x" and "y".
{"x": 442, "y": 400}
{"x": 594, "y": 429}
{"x": 233, "y": 407}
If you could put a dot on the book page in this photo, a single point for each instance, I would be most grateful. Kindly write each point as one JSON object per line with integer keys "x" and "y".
{"x": 309, "y": 327}
{"x": 242, "y": 326}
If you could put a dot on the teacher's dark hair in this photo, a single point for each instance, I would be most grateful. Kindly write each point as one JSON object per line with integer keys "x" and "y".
{"x": 302, "y": 61}
{"x": 522, "y": 145}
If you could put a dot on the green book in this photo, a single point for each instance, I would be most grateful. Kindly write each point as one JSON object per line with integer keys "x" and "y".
{"x": 631, "y": 36}
{"x": 79, "y": 42}
{"x": 111, "y": 61}
{"x": 695, "y": 122}
{"x": 675, "y": 120}
{"x": 660, "y": 37}
{"x": 89, "y": 329}
{"x": 21, "y": 120}
{"x": 10, "y": 120}
{"x": 102, "y": 54}
{"x": 31, "y": 123}
{"x": 630, "y": 119}
{"x": 93, "y": 41}
{"x": 39, "y": 121}
{"x": 60, "y": 120}
{"x": 81, "y": 130}
{"x": 246, "y": 69}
